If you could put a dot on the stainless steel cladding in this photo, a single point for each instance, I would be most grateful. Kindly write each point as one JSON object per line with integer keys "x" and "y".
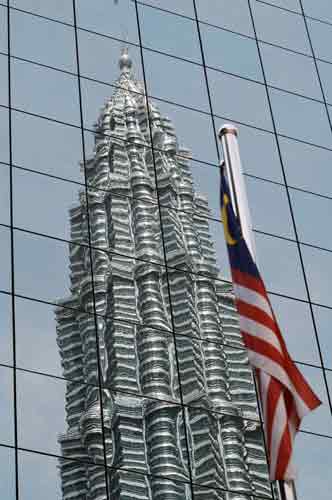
{"x": 170, "y": 372}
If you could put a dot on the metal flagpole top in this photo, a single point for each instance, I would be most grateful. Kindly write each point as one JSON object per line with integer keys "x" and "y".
{"x": 227, "y": 128}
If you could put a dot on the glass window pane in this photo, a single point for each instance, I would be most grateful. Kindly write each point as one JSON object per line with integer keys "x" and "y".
{"x": 306, "y": 166}
{"x": 7, "y": 406}
{"x": 231, "y": 15}
{"x": 321, "y": 38}
{"x": 269, "y": 208}
{"x": 51, "y": 205}
{"x": 5, "y": 259}
{"x": 169, "y": 33}
{"x": 62, "y": 10}
{"x": 323, "y": 318}
{"x": 206, "y": 181}
{"x": 187, "y": 89}
{"x": 313, "y": 216}
{"x": 295, "y": 322}
{"x": 318, "y": 266}
{"x": 294, "y": 114}
{"x": 42, "y": 266}
{"x": 108, "y": 50}
{"x": 290, "y": 71}
{"x": 48, "y": 407}
{"x": 320, "y": 420}
{"x": 3, "y": 29}
{"x": 279, "y": 263}
{"x": 188, "y": 126}
{"x": 47, "y": 146}
{"x": 320, "y": 8}
{"x": 55, "y": 96}
{"x": 6, "y": 349}
{"x": 185, "y": 7}
{"x": 259, "y": 153}
{"x": 55, "y": 478}
{"x": 231, "y": 53}
{"x": 4, "y": 194}
{"x": 313, "y": 458}
{"x": 7, "y": 479}
{"x": 4, "y": 135}
{"x": 280, "y": 27}
{"x": 104, "y": 17}
{"x": 325, "y": 73}
{"x": 36, "y": 325}
{"x": 286, "y": 4}
{"x": 42, "y": 41}
{"x": 3, "y": 80}
{"x": 239, "y": 100}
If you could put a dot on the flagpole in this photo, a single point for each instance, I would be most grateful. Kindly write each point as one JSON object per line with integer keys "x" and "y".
{"x": 228, "y": 134}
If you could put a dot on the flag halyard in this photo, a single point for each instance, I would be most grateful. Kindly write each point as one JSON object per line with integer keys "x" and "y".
{"x": 285, "y": 395}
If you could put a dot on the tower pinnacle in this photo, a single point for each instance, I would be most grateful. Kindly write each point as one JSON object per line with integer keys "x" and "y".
{"x": 125, "y": 62}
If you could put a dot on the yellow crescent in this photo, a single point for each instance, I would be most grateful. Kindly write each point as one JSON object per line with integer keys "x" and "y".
{"x": 229, "y": 239}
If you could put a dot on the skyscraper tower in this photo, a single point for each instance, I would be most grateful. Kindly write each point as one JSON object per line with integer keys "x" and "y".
{"x": 163, "y": 394}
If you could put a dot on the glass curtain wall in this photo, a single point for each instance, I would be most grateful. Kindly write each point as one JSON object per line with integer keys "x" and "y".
{"x": 265, "y": 66}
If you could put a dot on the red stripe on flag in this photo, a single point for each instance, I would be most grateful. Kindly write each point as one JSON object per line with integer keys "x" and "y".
{"x": 266, "y": 349}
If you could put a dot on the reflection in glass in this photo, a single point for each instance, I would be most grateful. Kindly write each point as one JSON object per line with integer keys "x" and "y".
{"x": 62, "y": 10}
{"x": 7, "y": 481}
{"x": 297, "y": 329}
{"x": 5, "y": 259}
{"x": 36, "y": 99}
{"x": 4, "y": 194}
{"x": 4, "y": 135}
{"x": 280, "y": 27}
{"x": 137, "y": 353}
{"x": 50, "y": 201}
{"x": 46, "y": 146}
{"x": 3, "y": 29}
{"x": 293, "y": 114}
{"x": 236, "y": 99}
{"x": 231, "y": 15}
{"x": 321, "y": 37}
{"x": 42, "y": 41}
{"x": 160, "y": 31}
{"x": 290, "y": 71}
{"x": 187, "y": 89}
{"x": 3, "y": 80}
{"x": 103, "y": 17}
{"x": 7, "y": 406}
{"x": 6, "y": 341}
{"x": 318, "y": 267}
{"x": 230, "y": 52}
{"x": 306, "y": 166}
{"x": 313, "y": 454}
{"x": 279, "y": 263}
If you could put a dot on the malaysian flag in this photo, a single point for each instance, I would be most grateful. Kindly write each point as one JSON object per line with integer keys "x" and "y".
{"x": 284, "y": 393}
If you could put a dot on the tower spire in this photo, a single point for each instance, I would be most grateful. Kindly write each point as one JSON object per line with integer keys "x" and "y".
{"x": 125, "y": 62}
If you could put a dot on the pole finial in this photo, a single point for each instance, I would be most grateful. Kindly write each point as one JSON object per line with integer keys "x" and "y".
{"x": 227, "y": 128}
{"x": 125, "y": 62}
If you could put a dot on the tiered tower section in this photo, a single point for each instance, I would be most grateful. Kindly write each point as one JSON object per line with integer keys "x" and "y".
{"x": 159, "y": 387}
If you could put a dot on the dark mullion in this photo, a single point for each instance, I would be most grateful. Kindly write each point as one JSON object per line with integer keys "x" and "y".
{"x": 12, "y": 257}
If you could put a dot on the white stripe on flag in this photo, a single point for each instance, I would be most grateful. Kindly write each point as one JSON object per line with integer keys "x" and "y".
{"x": 278, "y": 428}
{"x": 275, "y": 370}
{"x": 260, "y": 331}
{"x": 253, "y": 298}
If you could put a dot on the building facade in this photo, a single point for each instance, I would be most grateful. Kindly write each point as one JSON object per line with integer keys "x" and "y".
{"x": 151, "y": 394}
{"x": 169, "y": 374}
